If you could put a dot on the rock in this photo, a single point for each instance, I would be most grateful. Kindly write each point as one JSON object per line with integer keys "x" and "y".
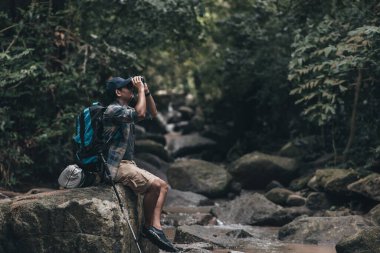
{"x": 159, "y": 138}
{"x": 278, "y": 196}
{"x": 39, "y": 190}
{"x": 139, "y": 131}
{"x": 179, "y": 216}
{"x": 368, "y": 186}
{"x": 186, "y": 112}
{"x": 235, "y": 187}
{"x": 248, "y": 209}
{"x": 295, "y": 200}
{"x": 154, "y": 160}
{"x": 199, "y": 176}
{"x": 200, "y": 247}
{"x": 301, "y": 148}
{"x": 300, "y": 183}
{"x": 184, "y": 198}
{"x": 374, "y": 215}
{"x": 333, "y": 181}
{"x": 184, "y": 127}
{"x": 317, "y": 201}
{"x": 365, "y": 241}
{"x": 151, "y": 168}
{"x": 273, "y": 184}
{"x": 148, "y": 146}
{"x": 155, "y": 125}
{"x": 75, "y": 220}
{"x": 322, "y": 230}
{"x": 181, "y": 145}
{"x": 256, "y": 170}
{"x": 288, "y": 214}
{"x": 223, "y": 236}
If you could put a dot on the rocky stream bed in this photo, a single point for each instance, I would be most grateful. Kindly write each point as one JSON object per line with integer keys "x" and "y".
{"x": 257, "y": 202}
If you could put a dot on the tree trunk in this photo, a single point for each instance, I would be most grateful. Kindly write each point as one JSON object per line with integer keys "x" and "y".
{"x": 354, "y": 112}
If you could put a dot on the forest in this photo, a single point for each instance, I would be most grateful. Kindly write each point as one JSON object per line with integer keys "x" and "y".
{"x": 266, "y": 71}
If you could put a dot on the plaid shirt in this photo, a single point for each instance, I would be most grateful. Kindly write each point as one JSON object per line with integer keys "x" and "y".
{"x": 119, "y": 126}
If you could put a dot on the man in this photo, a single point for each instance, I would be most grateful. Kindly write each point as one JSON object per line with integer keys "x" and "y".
{"x": 119, "y": 131}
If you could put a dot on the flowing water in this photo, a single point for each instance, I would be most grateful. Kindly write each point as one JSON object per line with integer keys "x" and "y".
{"x": 265, "y": 241}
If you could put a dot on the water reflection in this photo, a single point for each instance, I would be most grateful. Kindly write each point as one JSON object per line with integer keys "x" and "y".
{"x": 286, "y": 248}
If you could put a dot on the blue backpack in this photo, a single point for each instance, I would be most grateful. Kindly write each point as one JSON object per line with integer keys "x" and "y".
{"x": 89, "y": 137}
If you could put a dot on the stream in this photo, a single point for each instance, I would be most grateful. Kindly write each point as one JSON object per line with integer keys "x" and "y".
{"x": 265, "y": 241}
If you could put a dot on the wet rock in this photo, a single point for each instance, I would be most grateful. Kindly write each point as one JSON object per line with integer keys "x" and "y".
{"x": 368, "y": 186}
{"x": 76, "y": 220}
{"x": 249, "y": 208}
{"x": 181, "y": 145}
{"x": 365, "y": 241}
{"x": 184, "y": 198}
{"x": 148, "y": 146}
{"x": 317, "y": 201}
{"x": 327, "y": 230}
{"x": 333, "y": 180}
{"x": 295, "y": 200}
{"x": 199, "y": 176}
{"x": 278, "y": 195}
{"x": 256, "y": 170}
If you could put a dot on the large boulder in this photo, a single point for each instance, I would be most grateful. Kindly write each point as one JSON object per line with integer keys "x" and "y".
{"x": 322, "y": 230}
{"x": 368, "y": 186}
{"x": 181, "y": 145}
{"x": 76, "y": 220}
{"x": 252, "y": 208}
{"x": 199, "y": 176}
{"x": 185, "y": 198}
{"x": 365, "y": 241}
{"x": 154, "y": 160}
{"x": 333, "y": 180}
{"x": 256, "y": 170}
{"x": 152, "y": 147}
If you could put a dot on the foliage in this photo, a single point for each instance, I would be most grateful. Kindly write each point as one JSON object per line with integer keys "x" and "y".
{"x": 54, "y": 62}
{"x": 334, "y": 71}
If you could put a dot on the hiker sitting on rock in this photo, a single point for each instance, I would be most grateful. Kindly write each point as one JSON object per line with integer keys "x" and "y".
{"x": 119, "y": 129}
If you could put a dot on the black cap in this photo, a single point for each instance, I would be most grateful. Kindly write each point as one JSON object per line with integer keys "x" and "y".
{"x": 117, "y": 83}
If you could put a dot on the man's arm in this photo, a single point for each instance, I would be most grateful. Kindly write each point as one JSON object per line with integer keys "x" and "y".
{"x": 141, "y": 101}
{"x": 150, "y": 102}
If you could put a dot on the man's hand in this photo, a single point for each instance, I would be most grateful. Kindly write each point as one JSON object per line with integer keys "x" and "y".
{"x": 137, "y": 83}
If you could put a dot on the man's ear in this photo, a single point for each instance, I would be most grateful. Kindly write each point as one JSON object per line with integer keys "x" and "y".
{"x": 118, "y": 92}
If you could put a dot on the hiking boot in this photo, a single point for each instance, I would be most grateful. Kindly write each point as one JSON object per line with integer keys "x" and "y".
{"x": 157, "y": 237}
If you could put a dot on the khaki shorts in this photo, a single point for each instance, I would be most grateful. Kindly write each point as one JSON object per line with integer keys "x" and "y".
{"x": 137, "y": 179}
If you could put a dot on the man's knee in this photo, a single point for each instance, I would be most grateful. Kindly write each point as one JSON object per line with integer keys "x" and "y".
{"x": 159, "y": 185}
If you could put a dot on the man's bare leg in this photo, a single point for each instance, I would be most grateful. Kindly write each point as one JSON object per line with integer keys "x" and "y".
{"x": 154, "y": 200}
